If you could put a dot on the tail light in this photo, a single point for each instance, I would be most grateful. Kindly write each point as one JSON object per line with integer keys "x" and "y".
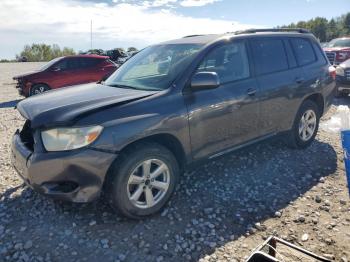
{"x": 332, "y": 72}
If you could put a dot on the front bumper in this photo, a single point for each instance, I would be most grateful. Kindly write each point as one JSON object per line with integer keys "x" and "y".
{"x": 22, "y": 87}
{"x": 75, "y": 176}
{"x": 343, "y": 84}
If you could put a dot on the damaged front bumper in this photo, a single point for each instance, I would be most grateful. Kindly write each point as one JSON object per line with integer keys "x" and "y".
{"x": 75, "y": 176}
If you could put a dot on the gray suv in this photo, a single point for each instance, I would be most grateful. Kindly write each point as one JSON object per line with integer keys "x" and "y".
{"x": 171, "y": 105}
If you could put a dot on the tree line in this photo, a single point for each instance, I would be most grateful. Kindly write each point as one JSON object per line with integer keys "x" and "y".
{"x": 324, "y": 29}
{"x": 43, "y": 52}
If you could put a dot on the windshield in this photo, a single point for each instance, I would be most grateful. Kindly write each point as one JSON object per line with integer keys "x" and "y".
{"x": 339, "y": 42}
{"x": 53, "y": 61}
{"x": 154, "y": 68}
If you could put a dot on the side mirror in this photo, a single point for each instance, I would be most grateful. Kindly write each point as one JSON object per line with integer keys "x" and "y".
{"x": 205, "y": 80}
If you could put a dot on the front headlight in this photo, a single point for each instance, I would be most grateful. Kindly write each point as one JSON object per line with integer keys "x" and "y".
{"x": 65, "y": 138}
{"x": 340, "y": 71}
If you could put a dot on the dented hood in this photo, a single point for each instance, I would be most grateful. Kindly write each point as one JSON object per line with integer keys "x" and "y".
{"x": 65, "y": 105}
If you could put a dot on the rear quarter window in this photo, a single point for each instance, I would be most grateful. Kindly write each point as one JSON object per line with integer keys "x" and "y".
{"x": 321, "y": 56}
{"x": 303, "y": 50}
{"x": 269, "y": 55}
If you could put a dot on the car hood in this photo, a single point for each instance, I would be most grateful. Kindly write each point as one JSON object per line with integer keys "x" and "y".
{"x": 26, "y": 74}
{"x": 334, "y": 49}
{"x": 64, "y": 106}
{"x": 345, "y": 64}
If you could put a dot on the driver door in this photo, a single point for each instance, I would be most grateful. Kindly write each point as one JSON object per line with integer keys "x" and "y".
{"x": 226, "y": 116}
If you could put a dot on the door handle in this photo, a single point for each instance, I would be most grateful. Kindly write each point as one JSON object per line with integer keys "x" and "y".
{"x": 251, "y": 91}
{"x": 299, "y": 80}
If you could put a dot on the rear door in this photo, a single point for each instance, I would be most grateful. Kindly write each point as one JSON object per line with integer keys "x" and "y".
{"x": 278, "y": 79}
{"x": 228, "y": 115}
{"x": 91, "y": 69}
{"x": 315, "y": 68}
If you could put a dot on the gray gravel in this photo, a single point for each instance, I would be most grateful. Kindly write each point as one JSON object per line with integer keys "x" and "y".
{"x": 221, "y": 211}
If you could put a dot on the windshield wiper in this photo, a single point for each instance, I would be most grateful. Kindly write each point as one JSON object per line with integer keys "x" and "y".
{"x": 122, "y": 86}
{"x": 132, "y": 87}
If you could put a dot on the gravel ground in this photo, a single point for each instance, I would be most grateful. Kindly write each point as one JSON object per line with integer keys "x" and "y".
{"x": 221, "y": 211}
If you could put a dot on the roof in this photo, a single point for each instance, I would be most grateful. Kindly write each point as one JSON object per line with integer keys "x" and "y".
{"x": 205, "y": 39}
{"x": 88, "y": 56}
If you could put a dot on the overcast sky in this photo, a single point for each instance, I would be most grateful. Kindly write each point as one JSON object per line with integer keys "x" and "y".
{"x": 122, "y": 23}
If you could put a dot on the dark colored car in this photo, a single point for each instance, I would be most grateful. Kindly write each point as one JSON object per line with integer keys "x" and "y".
{"x": 132, "y": 135}
{"x": 338, "y": 50}
{"x": 343, "y": 79}
{"x": 65, "y": 71}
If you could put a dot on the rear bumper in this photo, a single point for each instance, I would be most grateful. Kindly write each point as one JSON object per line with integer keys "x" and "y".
{"x": 75, "y": 176}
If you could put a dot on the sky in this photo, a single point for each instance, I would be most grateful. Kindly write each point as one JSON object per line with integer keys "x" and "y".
{"x": 124, "y": 23}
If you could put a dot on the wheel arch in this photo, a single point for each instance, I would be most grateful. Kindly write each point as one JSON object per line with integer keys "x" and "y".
{"x": 36, "y": 84}
{"x": 318, "y": 99}
{"x": 169, "y": 141}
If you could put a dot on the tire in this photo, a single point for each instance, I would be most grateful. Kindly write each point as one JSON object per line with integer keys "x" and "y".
{"x": 39, "y": 89}
{"x": 128, "y": 183}
{"x": 297, "y": 139}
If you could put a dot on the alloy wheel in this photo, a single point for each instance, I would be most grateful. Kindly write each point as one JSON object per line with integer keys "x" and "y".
{"x": 307, "y": 125}
{"x": 148, "y": 183}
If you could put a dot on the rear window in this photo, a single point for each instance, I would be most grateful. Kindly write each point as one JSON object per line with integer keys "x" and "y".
{"x": 303, "y": 51}
{"x": 269, "y": 55}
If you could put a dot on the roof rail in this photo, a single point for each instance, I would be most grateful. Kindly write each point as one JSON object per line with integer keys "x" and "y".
{"x": 251, "y": 31}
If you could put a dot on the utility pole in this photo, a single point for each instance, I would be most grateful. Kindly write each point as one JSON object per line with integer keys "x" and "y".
{"x": 91, "y": 35}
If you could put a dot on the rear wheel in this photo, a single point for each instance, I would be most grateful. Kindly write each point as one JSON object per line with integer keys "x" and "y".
{"x": 143, "y": 180}
{"x": 38, "y": 89}
{"x": 305, "y": 125}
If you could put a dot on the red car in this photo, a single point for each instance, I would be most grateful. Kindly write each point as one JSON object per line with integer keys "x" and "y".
{"x": 338, "y": 50}
{"x": 65, "y": 71}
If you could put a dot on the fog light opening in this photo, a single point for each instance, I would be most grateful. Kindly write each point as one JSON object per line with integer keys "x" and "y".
{"x": 61, "y": 187}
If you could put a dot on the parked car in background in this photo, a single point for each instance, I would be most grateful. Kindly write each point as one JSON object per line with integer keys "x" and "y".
{"x": 65, "y": 71}
{"x": 338, "y": 50}
{"x": 343, "y": 79}
{"x": 169, "y": 106}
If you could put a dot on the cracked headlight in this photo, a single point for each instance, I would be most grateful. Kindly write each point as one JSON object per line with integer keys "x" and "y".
{"x": 60, "y": 139}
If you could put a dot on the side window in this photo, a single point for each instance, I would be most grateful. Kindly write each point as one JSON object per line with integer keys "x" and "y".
{"x": 62, "y": 65}
{"x": 73, "y": 63}
{"x": 320, "y": 54}
{"x": 89, "y": 62}
{"x": 269, "y": 55}
{"x": 230, "y": 62}
{"x": 303, "y": 51}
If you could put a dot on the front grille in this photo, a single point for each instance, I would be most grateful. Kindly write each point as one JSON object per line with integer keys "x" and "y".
{"x": 347, "y": 74}
{"x": 331, "y": 57}
{"x": 27, "y": 136}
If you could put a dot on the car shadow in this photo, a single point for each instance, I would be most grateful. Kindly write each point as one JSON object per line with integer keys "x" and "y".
{"x": 8, "y": 104}
{"x": 214, "y": 203}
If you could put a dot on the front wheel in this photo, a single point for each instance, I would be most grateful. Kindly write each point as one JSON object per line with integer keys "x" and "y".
{"x": 143, "y": 180}
{"x": 38, "y": 89}
{"x": 305, "y": 125}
